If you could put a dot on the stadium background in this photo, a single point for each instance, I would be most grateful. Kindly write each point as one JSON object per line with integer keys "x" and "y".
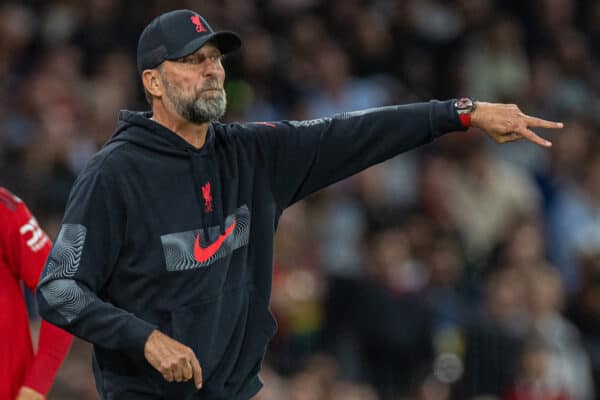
{"x": 460, "y": 270}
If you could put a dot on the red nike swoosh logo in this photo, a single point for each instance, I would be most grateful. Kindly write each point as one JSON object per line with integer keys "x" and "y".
{"x": 202, "y": 254}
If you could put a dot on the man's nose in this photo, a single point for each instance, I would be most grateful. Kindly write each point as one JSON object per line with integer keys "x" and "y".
{"x": 213, "y": 68}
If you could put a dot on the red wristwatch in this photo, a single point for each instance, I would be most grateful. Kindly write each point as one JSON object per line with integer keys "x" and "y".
{"x": 464, "y": 107}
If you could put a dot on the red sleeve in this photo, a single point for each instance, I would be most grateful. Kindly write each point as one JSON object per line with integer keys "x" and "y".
{"x": 52, "y": 349}
{"x": 27, "y": 245}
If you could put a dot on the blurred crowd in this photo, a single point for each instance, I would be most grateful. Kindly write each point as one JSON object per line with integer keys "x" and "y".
{"x": 462, "y": 270}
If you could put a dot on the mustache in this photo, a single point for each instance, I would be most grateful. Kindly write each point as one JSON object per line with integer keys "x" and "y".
{"x": 211, "y": 85}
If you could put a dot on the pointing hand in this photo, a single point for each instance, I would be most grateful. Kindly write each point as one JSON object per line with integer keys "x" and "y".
{"x": 507, "y": 123}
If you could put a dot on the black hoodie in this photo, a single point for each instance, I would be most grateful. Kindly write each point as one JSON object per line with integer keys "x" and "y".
{"x": 160, "y": 235}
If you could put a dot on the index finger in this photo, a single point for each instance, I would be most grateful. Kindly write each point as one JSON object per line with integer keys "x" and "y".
{"x": 534, "y": 122}
{"x": 197, "y": 371}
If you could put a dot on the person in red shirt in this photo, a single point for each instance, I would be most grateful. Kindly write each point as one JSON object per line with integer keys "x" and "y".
{"x": 24, "y": 248}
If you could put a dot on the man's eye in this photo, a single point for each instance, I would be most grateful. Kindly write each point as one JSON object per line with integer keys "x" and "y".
{"x": 189, "y": 60}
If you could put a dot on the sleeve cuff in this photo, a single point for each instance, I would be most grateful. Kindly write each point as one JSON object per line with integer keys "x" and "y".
{"x": 138, "y": 331}
{"x": 444, "y": 118}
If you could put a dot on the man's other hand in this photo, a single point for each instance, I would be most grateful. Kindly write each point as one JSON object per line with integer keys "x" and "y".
{"x": 507, "y": 123}
{"x": 175, "y": 361}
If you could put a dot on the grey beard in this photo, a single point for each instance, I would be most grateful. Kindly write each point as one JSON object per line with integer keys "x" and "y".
{"x": 200, "y": 111}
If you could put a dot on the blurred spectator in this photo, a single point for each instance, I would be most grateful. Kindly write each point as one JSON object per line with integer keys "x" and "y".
{"x": 370, "y": 44}
{"x": 486, "y": 196}
{"x": 584, "y": 310}
{"x": 496, "y": 67}
{"x": 297, "y": 292}
{"x": 575, "y": 222}
{"x": 535, "y": 380}
{"x": 392, "y": 321}
{"x": 275, "y": 386}
{"x": 447, "y": 303}
{"x": 573, "y": 84}
{"x": 335, "y": 89}
{"x": 493, "y": 340}
{"x": 570, "y": 367}
{"x": 522, "y": 249}
{"x": 565, "y": 168}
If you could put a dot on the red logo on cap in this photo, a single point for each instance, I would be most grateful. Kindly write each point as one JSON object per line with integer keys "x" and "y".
{"x": 196, "y": 21}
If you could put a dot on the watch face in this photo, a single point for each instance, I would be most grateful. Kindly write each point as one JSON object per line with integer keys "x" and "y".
{"x": 464, "y": 104}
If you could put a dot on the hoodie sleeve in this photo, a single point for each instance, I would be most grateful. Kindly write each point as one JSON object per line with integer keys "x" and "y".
{"x": 305, "y": 156}
{"x": 81, "y": 263}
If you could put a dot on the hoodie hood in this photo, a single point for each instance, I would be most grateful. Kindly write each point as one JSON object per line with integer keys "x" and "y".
{"x": 154, "y": 136}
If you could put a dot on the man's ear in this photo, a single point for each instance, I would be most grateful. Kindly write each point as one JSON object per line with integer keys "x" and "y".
{"x": 152, "y": 82}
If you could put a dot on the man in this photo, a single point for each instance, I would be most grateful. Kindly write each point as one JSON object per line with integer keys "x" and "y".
{"x": 24, "y": 248}
{"x": 164, "y": 258}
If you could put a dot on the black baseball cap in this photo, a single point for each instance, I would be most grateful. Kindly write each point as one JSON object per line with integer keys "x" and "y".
{"x": 176, "y": 34}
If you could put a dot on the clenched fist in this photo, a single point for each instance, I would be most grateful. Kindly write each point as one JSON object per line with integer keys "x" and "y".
{"x": 507, "y": 123}
{"x": 175, "y": 361}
